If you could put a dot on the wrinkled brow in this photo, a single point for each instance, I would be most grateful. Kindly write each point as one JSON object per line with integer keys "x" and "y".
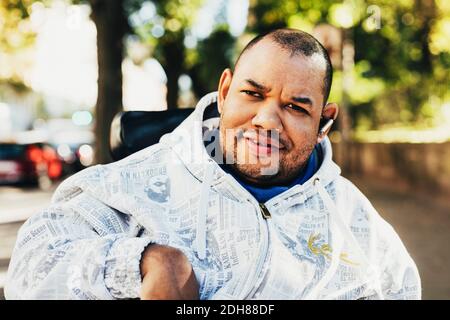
{"x": 257, "y": 85}
{"x": 303, "y": 100}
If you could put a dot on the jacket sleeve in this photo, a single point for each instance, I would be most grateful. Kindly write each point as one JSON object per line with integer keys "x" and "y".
{"x": 399, "y": 275}
{"x": 397, "y": 272}
{"x": 78, "y": 249}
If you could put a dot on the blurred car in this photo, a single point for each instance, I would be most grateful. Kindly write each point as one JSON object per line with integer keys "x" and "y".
{"x": 29, "y": 163}
{"x": 73, "y": 144}
{"x": 75, "y": 156}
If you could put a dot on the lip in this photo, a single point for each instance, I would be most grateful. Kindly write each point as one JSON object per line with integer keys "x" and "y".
{"x": 261, "y": 141}
{"x": 260, "y": 149}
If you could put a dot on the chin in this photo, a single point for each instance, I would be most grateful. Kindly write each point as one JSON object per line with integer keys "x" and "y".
{"x": 255, "y": 174}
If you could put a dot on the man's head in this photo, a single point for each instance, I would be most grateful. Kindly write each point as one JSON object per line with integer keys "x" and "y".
{"x": 276, "y": 97}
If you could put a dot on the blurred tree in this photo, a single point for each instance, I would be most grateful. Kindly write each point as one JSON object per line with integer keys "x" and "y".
{"x": 166, "y": 32}
{"x": 111, "y": 23}
{"x": 159, "y": 23}
{"x": 401, "y": 51}
{"x": 401, "y": 61}
{"x": 407, "y": 63}
{"x": 266, "y": 15}
{"x": 16, "y": 40}
{"x": 15, "y": 37}
{"x": 395, "y": 55}
{"x": 212, "y": 56}
{"x": 14, "y": 25}
{"x": 109, "y": 17}
{"x": 206, "y": 61}
{"x": 163, "y": 25}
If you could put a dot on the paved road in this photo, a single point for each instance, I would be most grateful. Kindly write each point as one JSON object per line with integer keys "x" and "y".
{"x": 16, "y": 205}
{"x": 8, "y": 232}
{"x": 422, "y": 223}
{"x": 19, "y": 203}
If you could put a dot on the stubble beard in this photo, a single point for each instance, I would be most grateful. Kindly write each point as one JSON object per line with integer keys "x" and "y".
{"x": 290, "y": 161}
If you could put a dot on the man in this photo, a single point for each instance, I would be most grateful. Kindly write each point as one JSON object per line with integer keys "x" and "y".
{"x": 245, "y": 205}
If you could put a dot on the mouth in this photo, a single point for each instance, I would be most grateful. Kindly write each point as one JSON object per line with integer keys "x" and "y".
{"x": 262, "y": 146}
{"x": 259, "y": 149}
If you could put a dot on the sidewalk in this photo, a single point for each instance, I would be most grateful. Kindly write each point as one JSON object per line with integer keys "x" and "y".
{"x": 8, "y": 233}
{"x": 16, "y": 205}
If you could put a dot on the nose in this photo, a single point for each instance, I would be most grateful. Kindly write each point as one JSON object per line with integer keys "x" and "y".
{"x": 267, "y": 117}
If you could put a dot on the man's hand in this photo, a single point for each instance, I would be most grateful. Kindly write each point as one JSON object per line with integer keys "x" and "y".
{"x": 167, "y": 275}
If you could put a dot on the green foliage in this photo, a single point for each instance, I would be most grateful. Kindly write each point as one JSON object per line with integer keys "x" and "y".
{"x": 165, "y": 26}
{"x": 401, "y": 69}
{"x": 402, "y": 61}
{"x": 213, "y": 55}
{"x": 400, "y": 55}
{"x": 16, "y": 36}
{"x": 15, "y": 26}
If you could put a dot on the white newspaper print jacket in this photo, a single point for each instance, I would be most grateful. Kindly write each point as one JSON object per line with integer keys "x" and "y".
{"x": 324, "y": 240}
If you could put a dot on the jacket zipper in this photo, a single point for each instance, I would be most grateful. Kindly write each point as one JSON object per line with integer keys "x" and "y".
{"x": 252, "y": 288}
{"x": 264, "y": 211}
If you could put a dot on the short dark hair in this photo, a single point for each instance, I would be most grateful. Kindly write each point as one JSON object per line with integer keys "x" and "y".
{"x": 297, "y": 42}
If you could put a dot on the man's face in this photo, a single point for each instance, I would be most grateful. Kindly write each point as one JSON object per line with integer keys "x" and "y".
{"x": 274, "y": 101}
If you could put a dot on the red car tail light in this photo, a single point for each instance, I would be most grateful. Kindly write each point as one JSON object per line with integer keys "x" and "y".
{"x": 50, "y": 154}
{"x": 54, "y": 169}
{"x": 35, "y": 154}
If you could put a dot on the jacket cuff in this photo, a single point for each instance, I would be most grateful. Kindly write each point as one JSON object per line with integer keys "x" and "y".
{"x": 122, "y": 268}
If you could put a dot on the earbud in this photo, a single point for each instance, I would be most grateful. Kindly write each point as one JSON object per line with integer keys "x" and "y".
{"x": 325, "y": 127}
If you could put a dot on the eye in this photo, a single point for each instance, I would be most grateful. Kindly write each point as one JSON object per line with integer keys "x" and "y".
{"x": 296, "y": 108}
{"x": 252, "y": 93}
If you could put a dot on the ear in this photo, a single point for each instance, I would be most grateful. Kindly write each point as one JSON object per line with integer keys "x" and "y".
{"x": 224, "y": 86}
{"x": 330, "y": 111}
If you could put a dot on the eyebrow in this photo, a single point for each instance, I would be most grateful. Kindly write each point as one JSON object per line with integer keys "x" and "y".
{"x": 257, "y": 85}
{"x": 303, "y": 100}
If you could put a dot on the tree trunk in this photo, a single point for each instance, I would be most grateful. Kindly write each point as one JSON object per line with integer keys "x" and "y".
{"x": 172, "y": 88}
{"x": 173, "y": 52}
{"x": 111, "y": 25}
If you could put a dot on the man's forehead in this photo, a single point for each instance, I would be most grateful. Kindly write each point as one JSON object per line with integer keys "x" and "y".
{"x": 272, "y": 54}
{"x": 318, "y": 61}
